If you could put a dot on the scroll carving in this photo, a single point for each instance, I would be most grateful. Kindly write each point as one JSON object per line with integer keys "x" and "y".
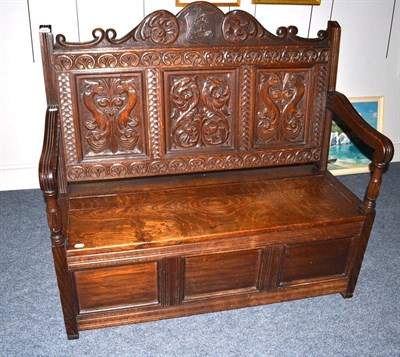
{"x": 160, "y": 27}
{"x": 204, "y": 23}
{"x": 281, "y": 115}
{"x": 200, "y": 111}
{"x": 238, "y": 26}
{"x": 111, "y": 124}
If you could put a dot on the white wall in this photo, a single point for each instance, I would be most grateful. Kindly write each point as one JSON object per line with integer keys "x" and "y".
{"x": 364, "y": 69}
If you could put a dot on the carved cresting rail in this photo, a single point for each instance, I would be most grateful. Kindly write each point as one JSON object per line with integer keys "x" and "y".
{"x": 190, "y": 93}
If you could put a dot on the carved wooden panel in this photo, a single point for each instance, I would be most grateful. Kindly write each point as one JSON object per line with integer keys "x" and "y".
{"x": 194, "y": 92}
{"x": 281, "y": 113}
{"x": 200, "y": 110}
{"x": 111, "y": 118}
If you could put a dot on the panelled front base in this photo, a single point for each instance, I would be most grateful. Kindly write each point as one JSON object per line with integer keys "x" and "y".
{"x": 229, "y": 302}
{"x": 136, "y": 289}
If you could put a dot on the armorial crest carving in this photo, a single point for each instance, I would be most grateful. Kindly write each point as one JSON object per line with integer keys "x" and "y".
{"x": 201, "y": 27}
{"x": 281, "y": 114}
{"x": 201, "y": 108}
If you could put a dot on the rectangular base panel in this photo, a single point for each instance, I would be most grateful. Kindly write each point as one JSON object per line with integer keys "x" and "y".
{"x": 130, "y": 316}
{"x": 143, "y": 290}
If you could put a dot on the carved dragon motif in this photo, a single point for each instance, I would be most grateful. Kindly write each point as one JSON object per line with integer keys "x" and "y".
{"x": 282, "y": 116}
{"x": 111, "y": 125}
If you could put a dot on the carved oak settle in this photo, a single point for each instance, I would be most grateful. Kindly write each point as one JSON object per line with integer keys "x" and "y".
{"x": 184, "y": 168}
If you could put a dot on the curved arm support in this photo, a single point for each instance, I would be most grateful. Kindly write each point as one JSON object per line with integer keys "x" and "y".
{"x": 382, "y": 146}
{"x": 49, "y": 157}
{"x": 48, "y": 175}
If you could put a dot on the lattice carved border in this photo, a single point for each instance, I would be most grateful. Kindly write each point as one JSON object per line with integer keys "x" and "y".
{"x": 67, "y": 119}
{"x": 320, "y": 100}
{"x": 153, "y": 84}
{"x": 246, "y": 107}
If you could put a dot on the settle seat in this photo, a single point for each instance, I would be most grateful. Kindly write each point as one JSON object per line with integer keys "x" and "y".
{"x": 184, "y": 168}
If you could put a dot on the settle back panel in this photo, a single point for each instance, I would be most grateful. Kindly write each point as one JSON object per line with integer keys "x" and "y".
{"x": 200, "y": 91}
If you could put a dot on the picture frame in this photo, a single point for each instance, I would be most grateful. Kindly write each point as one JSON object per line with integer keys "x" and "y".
{"x": 344, "y": 156}
{"x": 216, "y": 2}
{"x": 287, "y": 2}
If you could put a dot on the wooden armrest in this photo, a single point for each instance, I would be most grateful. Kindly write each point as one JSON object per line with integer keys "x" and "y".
{"x": 382, "y": 146}
{"x": 49, "y": 157}
{"x": 345, "y": 113}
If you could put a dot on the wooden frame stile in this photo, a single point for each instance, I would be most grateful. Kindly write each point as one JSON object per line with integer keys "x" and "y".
{"x": 49, "y": 162}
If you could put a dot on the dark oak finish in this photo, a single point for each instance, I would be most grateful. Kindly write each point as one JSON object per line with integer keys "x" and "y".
{"x": 184, "y": 168}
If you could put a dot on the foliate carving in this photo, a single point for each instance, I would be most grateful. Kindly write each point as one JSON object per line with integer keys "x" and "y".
{"x": 238, "y": 26}
{"x": 107, "y": 61}
{"x": 186, "y": 164}
{"x": 118, "y": 170}
{"x": 153, "y": 81}
{"x": 160, "y": 27}
{"x": 190, "y": 58}
{"x": 200, "y": 110}
{"x": 67, "y": 120}
{"x": 111, "y": 124}
{"x": 97, "y": 171}
{"x": 129, "y": 60}
{"x": 77, "y": 173}
{"x": 63, "y": 62}
{"x": 281, "y": 112}
{"x": 85, "y": 62}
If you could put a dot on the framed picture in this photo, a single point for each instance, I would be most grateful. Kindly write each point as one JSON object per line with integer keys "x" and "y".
{"x": 215, "y": 2}
{"x": 288, "y": 2}
{"x": 344, "y": 156}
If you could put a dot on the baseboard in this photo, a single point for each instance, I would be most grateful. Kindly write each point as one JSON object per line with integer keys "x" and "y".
{"x": 18, "y": 176}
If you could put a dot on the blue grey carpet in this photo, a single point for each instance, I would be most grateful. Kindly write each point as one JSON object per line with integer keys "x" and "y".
{"x": 366, "y": 325}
